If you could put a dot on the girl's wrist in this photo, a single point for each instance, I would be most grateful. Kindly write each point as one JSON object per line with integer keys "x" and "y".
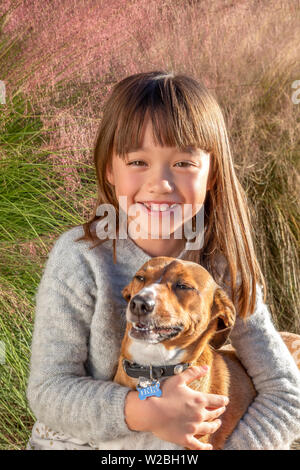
{"x": 138, "y": 413}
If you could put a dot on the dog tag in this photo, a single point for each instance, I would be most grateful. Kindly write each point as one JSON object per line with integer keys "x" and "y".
{"x": 144, "y": 382}
{"x": 149, "y": 390}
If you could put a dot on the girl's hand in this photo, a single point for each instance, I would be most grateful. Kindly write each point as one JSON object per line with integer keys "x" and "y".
{"x": 181, "y": 413}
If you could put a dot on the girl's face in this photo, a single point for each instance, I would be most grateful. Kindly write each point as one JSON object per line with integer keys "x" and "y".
{"x": 153, "y": 179}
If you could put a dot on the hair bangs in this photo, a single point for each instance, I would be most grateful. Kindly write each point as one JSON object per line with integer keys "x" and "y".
{"x": 174, "y": 120}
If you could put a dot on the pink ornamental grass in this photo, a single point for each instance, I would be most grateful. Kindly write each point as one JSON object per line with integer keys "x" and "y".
{"x": 69, "y": 38}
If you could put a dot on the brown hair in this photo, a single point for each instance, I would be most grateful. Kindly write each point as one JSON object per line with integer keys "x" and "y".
{"x": 183, "y": 112}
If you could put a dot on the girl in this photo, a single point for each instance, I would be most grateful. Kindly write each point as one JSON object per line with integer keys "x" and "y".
{"x": 162, "y": 140}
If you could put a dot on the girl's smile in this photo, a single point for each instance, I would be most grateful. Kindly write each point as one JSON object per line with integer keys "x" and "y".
{"x": 158, "y": 208}
{"x": 159, "y": 182}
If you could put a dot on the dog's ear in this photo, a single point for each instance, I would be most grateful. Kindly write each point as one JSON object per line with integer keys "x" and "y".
{"x": 223, "y": 310}
{"x": 126, "y": 292}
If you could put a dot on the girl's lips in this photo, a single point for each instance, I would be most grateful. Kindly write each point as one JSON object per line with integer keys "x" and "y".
{"x": 167, "y": 208}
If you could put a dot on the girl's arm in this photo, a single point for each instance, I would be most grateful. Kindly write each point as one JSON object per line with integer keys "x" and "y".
{"x": 273, "y": 419}
{"x": 60, "y": 392}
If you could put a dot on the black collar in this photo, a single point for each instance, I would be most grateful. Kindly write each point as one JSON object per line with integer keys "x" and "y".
{"x": 136, "y": 370}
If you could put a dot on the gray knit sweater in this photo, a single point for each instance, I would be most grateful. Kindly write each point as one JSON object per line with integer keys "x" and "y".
{"x": 78, "y": 330}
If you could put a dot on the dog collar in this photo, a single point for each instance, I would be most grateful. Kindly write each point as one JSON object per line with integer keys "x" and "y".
{"x": 154, "y": 372}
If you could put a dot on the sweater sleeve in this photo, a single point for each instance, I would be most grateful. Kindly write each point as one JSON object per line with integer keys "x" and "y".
{"x": 272, "y": 421}
{"x": 59, "y": 391}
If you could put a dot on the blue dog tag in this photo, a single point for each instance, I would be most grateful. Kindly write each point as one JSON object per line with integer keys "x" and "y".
{"x": 150, "y": 391}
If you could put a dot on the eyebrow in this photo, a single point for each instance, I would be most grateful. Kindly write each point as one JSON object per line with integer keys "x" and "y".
{"x": 187, "y": 149}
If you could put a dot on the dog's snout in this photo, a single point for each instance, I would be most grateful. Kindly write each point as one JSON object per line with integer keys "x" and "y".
{"x": 142, "y": 305}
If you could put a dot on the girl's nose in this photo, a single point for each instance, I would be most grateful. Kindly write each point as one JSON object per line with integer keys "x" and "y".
{"x": 160, "y": 183}
{"x": 160, "y": 187}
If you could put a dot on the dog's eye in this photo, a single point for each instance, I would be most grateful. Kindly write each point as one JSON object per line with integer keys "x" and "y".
{"x": 182, "y": 286}
{"x": 140, "y": 278}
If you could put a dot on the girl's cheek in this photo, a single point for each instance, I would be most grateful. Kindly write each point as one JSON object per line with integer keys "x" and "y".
{"x": 201, "y": 182}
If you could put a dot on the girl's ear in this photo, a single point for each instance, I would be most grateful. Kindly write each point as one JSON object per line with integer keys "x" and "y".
{"x": 109, "y": 174}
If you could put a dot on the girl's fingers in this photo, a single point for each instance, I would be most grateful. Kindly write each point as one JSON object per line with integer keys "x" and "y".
{"x": 190, "y": 374}
{"x": 213, "y": 414}
{"x": 215, "y": 401}
{"x": 208, "y": 428}
{"x": 195, "y": 444}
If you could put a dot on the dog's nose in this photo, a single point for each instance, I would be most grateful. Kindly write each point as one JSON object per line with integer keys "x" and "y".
{"x": 141, "y": 305}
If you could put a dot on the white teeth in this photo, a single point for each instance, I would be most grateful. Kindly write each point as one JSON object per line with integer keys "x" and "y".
{"x": 159, "y": 207}
{"x": 140, "y": 328}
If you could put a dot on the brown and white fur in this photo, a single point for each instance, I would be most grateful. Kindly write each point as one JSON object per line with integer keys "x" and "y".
{"x": 190, "y": 318}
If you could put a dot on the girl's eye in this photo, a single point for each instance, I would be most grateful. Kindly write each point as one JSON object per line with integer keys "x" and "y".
{"x": 184, "y": 164}
{"x": 141, "y": 163}
{"x": 135, "y": 162}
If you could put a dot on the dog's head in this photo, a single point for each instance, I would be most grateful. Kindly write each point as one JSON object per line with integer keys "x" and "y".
{"x": 175, "y": 301}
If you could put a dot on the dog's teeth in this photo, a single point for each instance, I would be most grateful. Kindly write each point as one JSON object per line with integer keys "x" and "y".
{"x": 139, "y": 326}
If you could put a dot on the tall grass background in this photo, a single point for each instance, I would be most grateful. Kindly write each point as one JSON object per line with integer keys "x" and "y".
{"x": 59, "y": 63}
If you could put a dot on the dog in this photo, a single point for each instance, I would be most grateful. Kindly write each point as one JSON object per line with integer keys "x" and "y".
{"x": 178, "y": 316}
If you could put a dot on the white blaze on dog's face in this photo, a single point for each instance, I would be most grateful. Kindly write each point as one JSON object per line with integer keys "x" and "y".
{"x": 169, "y": 302}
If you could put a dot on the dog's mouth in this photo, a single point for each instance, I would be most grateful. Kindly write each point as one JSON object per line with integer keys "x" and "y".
{"x": 152, "y": 332}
